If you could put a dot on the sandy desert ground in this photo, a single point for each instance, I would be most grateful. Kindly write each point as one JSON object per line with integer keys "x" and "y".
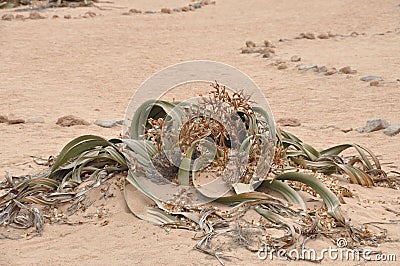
{"x": 90, "y": 67}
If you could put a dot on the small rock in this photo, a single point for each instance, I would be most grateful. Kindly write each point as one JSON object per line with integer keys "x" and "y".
{"x": 55, "y": 16}
{"x": 392, "y": 130}
{"x": 71, "y": 120}
{"x": 185, "y": 9}
{"x": 7, "y": 17}
{"x": 331, "y": 71}
{"x": 166, "y": 10}
{"x": 354, "y": 34}
{"x": 106, "y": 123}
{"x": 375, "y": 124}
{"x": 3, "y": 119}
{"x": 282, "y": 66}
{"x": 268, "y": 43}
{"x": 35, "y": 120}
{"x": 90, "y": 14}
{"x": 307, "y": 35}
{"x": 307, "y": 67}
{"x": 323, "y": 36}
{"x": 67, "y": 16}
{"x": 289, "y": 122}
{"x": 374, "y": 83}
{"x": 347, "y": 70}
{"x": 205, "y": 2}
{"x": 196, "y": 5}
{"x": 134, "y": 11}
{"x": 247, "y": 50}
{"x": 19, "y": 17}
{"x": 266, "y": 55}
{"x": 277, "y": 61}
{"x": 35, "y": 15}
{"x": 347, "y": 130}
{"x": 295, "y": 58}
{"x": 177, "y": 10}
{"x": 329, "y": 127}
{"x": 360, "y": 129}
{"x": 250, "y": 44}
{"x": 371, "y": 78}
{"x": 265, "y": 50}
{"x": 323, "y": 69}
{"x": 331, "y": 34}
{"x": 16, "y": 121}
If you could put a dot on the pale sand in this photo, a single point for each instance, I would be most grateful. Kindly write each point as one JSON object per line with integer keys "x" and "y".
{"x": 56, "y": 67}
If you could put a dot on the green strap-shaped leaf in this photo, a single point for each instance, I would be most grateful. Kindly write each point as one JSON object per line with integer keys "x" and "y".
{"x": 285, "y": 190}
{"x": 330, "y": 199}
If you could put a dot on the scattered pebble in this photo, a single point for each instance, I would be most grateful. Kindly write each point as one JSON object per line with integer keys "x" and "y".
{"x": 373, "y": 125}
{"x": 185, "y": 9}
{"x": 323, "y": 36}
{"x": 71, "y": 120}
{"x": 16, "y": 121}
{"x": 392, "y": 130}
{"x": 347, "y": 130}
{"x": 266, "y": 55}
{"x": 331, "y": 34}
{"x": 196, "y": 5}
{"x": 90, "y": 14}
{"x": 282, "y": 66}
{"x": 67, "y": 16}
{"x": 295, "y": 58}
{"x": 177, "y": 10}
{"x": 7, "y": 17}
{"x": 19, "y": 17}
{"x": 3, "y": 119}
{"x": 329, "y": 127}
{"x": 108, "y": 123}
{"x": 307, "y": 67}
{"x": 374, "y": 83}
{"x": 331, "y": 71}
{"x": 250, "y": 44}
{"x": 134, "y": 11}
{"x": 268, "y": 43}
{"x": 207, "y": 2}
{"x": 347, "y": 70}
{"x": 265, "y": 50}
{"x": 371, "y": 78}
{"x": 289, "y": 122}
{"x": 323, "y": 69}
{"x": 35, "y": 120}
{"x": 166, "y": 10}
{"x": 360, "y": 129}
{"x": 247, "y": 50}
{"x": 35, "y": 15}
{"x": 307, "y": 35}
{"x": 277, "y": 61}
